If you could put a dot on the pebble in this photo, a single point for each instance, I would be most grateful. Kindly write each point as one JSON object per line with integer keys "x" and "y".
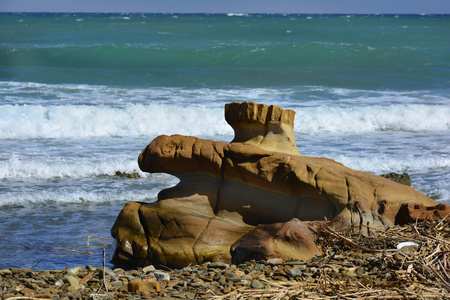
{"x": 274, "y": 261}
{"x": 149, "y": 269}
{"x": 161, "y": 276}
{"x": 218, "y": 265}
{"x": 194, "y": 281}
{"x": 256, "y": 284}
{"x": 5, "y": 272}
{"x": 294, "y": 272}
{"x": 74, "y": 271}
{"x": 405, "y": 252}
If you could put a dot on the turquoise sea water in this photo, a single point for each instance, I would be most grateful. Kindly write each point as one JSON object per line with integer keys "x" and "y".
{"x": 82, "y": 94}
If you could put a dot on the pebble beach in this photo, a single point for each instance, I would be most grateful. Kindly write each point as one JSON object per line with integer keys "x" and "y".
{"x": 351, "y": 267}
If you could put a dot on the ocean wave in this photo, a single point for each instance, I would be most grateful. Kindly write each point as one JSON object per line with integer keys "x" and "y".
{"x": 138, "y": 120}
{"x": 84, "y": 121}
{"x": 380, "y": 164}
{"x": 20, "y": 167}
{"x": 329, "y": 119}
{"x": 75, "y": 196}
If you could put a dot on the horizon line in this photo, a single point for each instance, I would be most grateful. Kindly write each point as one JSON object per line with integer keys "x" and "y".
{"x": 215, "y": 13}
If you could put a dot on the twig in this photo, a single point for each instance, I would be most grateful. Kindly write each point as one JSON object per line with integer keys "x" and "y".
{"x": 329, "y": 230}
{"x": 439, "y": 275}
{"x": 443, "y": 270}
{"x": 36, "y": 264}
{"x": 104, "y": 270}
{"x": 74, "y": 250}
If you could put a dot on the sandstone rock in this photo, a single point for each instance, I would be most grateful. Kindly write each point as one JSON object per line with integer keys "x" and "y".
{"x": 269, "y": 127}
{"x": 74, "y": 283}
{"x": 179, "y": 232}
{"x": 410, "y": 212}
{"x": 267, "y": 187}
{"x": 143, "y": 286}
{"x": 259, "y": 178}
{"x": 148, "y": 269}
{"x": 293, "y": 239}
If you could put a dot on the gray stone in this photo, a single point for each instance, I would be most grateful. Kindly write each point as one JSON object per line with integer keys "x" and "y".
{"x": 218, "y": 265}
{"x": 117, "y": 283}
{"x": 229, "y": 274}
{"x": 256, "y": 284}
{"x": 91, "y": 268}
{"x": 274, "y": 261}
{"x": 222, "y": 280}
{"x": 161, "y": 276}
{"x": 294, "y": 272}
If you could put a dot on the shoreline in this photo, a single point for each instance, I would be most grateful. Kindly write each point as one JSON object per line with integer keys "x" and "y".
{"x": 352, "y": 266}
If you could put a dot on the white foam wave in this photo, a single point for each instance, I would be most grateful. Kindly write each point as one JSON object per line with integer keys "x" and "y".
{"x": 77, "y": 196}
{"x": 386, "y": 163}
{"x": 60, "y": 167}
{"x": 137, "y": 120}
{"x": 333, "y": 119}
{"x": 82, "y": 121}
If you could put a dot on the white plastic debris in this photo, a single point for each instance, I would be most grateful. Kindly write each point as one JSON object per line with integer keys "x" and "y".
{"x": 404, "y": 244}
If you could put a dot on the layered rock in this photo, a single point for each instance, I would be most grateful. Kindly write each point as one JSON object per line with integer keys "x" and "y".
{"x": 268, "y": 187}
{"x": 270, "y": 128}
{"x": 260, "y": 178}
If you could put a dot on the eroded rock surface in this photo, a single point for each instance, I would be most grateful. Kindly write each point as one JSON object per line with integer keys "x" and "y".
{"x": 260, "y": 178}
{"x": 270, "y": 128}
{"x": 268, "y": 187}
{"x": 290, "y": 240}
{"x": 413, "y": 212}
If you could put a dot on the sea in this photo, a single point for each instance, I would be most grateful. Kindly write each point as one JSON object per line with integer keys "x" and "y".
{"x": 81, "y": 95}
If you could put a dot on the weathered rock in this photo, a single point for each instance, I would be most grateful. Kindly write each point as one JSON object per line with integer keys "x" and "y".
{"x": 269, "y": 127}
{"x": 410, "y": 212}
{"x": 133, "y": 175}
{"x": 399, "y": 178}
{"x": 267, "y": 187}
{"x": 293, "y": 239}
{"x": 259, "y": 178}
{"x": 179, "y": 232}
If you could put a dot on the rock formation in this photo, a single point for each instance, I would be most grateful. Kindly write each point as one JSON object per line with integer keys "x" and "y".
{"x": 289, "y": 240}
{"x": 226, "y": 189}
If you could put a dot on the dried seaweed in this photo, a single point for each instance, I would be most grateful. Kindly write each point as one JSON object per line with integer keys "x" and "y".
{"x": 378, "y": 269}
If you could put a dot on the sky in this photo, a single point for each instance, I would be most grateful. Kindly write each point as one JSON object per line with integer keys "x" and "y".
{"x": 230, "y": 6}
